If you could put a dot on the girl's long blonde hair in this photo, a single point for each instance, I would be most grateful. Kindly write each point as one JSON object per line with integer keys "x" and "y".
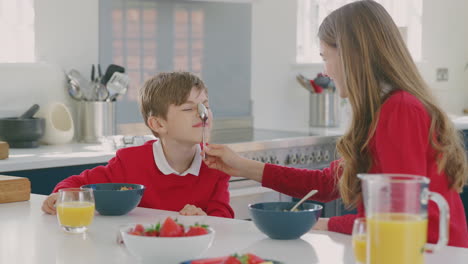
{"x": 372, "y": 51}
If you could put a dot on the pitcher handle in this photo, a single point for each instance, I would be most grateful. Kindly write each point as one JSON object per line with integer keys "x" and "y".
{"x": 444, "y": 219}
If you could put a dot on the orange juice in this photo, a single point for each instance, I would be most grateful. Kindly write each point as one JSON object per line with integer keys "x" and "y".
{"x": 75, "y": 214}
{"x": 396, "y": 238}
{"x": 359, "y": 248}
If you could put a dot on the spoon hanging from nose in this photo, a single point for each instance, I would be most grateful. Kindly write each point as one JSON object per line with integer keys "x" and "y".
{"x": 303, "y": 199}
{"x": 203, "y": 113}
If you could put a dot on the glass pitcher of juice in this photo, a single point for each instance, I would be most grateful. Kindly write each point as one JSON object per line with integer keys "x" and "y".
{"x": 396, "y": 216}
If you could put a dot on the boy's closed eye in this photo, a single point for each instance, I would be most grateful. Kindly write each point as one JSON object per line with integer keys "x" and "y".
{"x": 193, "y": 107}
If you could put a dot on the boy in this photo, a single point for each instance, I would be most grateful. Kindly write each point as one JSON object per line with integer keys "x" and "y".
{"x": 171, "y": 167}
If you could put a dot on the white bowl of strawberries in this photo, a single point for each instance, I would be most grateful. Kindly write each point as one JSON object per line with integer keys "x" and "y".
{"x": 167, "y": 242}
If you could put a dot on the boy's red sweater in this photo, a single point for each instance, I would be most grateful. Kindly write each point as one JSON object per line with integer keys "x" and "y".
{"x": 400, "y": 145}
{"x": 208, "y": 190}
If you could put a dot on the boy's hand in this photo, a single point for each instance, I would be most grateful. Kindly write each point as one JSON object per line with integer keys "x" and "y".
{"x": 191, "y": 210}
{"x": 49, "y": 204}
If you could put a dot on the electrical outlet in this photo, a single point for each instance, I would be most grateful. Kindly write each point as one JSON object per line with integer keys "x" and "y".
{"x": 442, "y": 74}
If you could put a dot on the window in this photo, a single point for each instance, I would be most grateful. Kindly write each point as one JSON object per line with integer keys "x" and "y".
{"x": 407, "y": 14}
{"x": 210, "y": 39}
{"x": 135, "y": 40}
{"x": 17, "y": 31}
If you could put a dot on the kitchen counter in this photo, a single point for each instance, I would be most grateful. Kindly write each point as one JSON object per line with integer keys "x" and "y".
{"x": 55, "y": 156}
{"x": 49, "y": 156}
{"x": 30, "y": 236}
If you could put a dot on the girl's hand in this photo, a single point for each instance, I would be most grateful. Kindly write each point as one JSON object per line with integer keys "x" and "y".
{"x": 48, "y": 206}
{"x": 221, "y": 157}
{"x": 191, "y": 210}
{"x": 322, "y": 224}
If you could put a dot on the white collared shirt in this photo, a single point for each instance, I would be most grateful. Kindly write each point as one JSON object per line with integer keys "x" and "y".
{"x": 164, "y": 167}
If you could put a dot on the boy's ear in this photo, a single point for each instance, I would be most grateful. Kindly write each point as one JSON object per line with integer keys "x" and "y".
{"x": 157, "y": 124}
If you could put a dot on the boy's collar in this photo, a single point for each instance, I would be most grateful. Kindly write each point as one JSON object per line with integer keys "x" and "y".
{"x": 165, "y": 168}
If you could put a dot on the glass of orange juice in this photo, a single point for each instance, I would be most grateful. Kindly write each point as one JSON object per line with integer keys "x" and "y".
{"x": 75, "y": 209}
{"x": 359, "y": 240}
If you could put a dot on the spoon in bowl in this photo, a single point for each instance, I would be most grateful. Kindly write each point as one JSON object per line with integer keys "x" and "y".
{"x": 203, "y": 113}
{"x": 303, "y": 199}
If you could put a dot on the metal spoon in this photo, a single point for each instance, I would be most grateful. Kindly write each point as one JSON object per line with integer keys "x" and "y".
{"x": 74, "y": 90}
{"x": 203, "y": 113}
{"x": 303, "y": 199}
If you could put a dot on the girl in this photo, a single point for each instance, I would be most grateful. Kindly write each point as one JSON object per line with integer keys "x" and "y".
{"x": 396, "y": 127}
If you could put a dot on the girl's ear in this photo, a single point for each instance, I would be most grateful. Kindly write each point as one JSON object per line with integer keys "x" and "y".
{"x": 157, "y": 124}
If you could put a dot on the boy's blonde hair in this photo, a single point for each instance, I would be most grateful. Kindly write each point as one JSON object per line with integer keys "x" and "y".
{"x": 372, "y": 51}
{"x": 164, "y": 89}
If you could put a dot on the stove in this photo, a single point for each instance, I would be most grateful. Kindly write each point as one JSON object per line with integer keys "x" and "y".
{"x": 293, "y": 149}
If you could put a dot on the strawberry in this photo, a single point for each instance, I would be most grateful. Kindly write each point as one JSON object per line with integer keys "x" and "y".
{"x": 152, "y": 233}
{"x": 139, "y": 228}
{"x": 253, "y": 259}
{"x": 232, "y": 260}
{"x": 170, "y": 228}
{"x": 153, "y": 230}
{"x": 197, "y": 230}
{"x": 218, "y": 260}
{"x": 135, "y": 233}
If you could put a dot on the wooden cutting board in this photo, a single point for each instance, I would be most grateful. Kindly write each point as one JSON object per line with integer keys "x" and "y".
{"x": 4, "y": 148}
{"x": 14, "y": 189}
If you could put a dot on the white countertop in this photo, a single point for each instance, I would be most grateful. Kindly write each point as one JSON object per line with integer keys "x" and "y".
{"x": 30, "y": 236}
{"x": 55, "y": 156}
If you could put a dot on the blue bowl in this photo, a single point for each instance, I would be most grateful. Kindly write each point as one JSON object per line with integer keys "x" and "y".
{"x": 276, "y": 223}
{"x": 111, "y": 200}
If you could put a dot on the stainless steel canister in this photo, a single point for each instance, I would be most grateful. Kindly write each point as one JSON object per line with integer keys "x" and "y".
{"x": 324, "y": 109}
{"x": 97, "y": 119}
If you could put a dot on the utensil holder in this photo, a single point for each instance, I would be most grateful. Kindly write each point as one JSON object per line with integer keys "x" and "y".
{"x": 324, "y": 109}
{"x": 97, "y": 119}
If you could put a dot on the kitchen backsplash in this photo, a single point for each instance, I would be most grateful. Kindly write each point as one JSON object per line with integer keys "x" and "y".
{"x": 25, "y": 84}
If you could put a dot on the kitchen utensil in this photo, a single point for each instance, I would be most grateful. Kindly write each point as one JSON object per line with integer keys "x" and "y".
{"x": 4, "y": 150}
{"x": 14, "y": 189}
{"x": 275, "y": 219}
{"x": 305, "y": 83}
{"x": 84, "y": 85}
{"x": 166, "y": 249}
{"x": 110, "y": 199}
{"x": 30, "y": 112}
{"x": 322, "y": 80}
{"x": 74, "y": 90}
{"x": 324, "y": 109}
{"x": 101, "y": 91}
{"x": 117, "y": 85}
{"x": 59, "y": 127}
{"x": 203, "y": 113}
{"x": 22, "y": 133}
{"x": 99, "y": 72}
{"x": 110, "y": 71}
{"x": 317, "y": 88}
{"x": 96, "y": 120}
{"x": 303, "y": 199}
{"x": 92, "y": 73}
